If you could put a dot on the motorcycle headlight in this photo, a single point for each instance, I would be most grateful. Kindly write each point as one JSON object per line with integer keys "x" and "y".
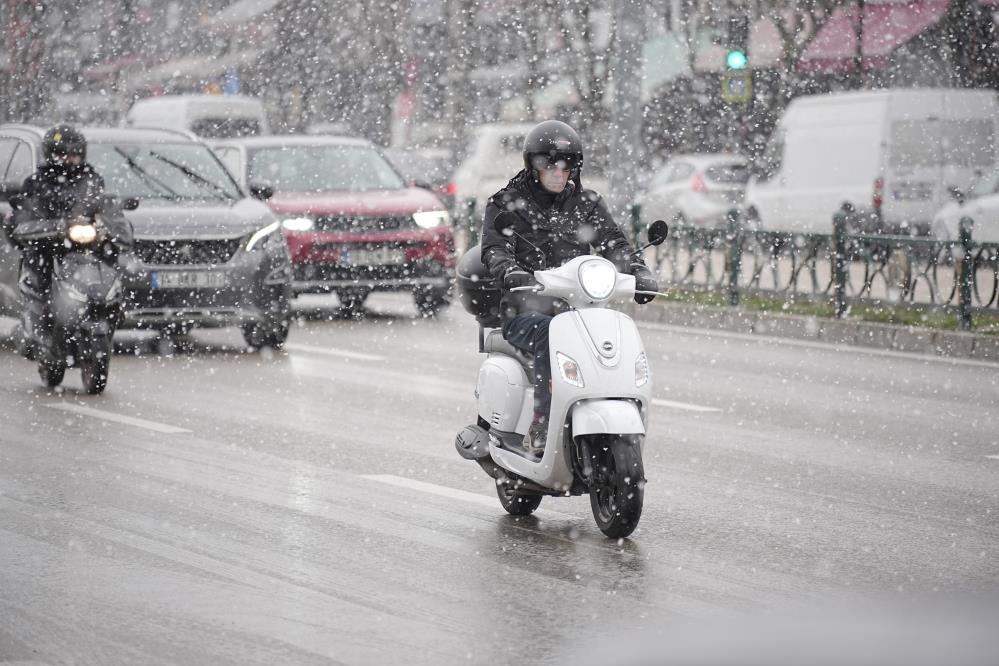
{"x": 569, "y": 370}
{"x": 298, "y": 223}
{"x": 641, "y": 370}
{"x": 259, "y": 239}
{"x": 431, "y": 218}
{"x": 82, "y": 233}
{"x": 597, "y": 278}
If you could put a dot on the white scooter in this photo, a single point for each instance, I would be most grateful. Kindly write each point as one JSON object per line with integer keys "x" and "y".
{"x": 601, "y": 394}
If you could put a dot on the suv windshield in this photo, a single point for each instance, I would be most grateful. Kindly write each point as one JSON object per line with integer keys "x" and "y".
{"x": 322, "y": 169}
{"x": 161, "y": 171}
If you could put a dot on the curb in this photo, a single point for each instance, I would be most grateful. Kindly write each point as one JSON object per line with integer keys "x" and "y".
{"x": 912, "y": 339}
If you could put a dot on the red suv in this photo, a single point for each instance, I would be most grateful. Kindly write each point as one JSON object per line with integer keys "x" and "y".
{"x": 352, "y": 223}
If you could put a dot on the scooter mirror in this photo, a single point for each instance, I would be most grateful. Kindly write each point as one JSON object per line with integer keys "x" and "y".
{"x": 658, "y": 232}
{"x": 131, "y": 203}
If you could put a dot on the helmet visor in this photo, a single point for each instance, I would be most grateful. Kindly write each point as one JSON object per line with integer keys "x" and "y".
{"x": 563, "y": 161}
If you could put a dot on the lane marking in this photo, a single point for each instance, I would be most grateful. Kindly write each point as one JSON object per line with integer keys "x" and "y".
{"x": 684, "y": 405}
{"x": 445, "y": 491}
{"x": 331, "y": 351}
{"x": 118, "y": 418}
{"x": 813, "y": 344}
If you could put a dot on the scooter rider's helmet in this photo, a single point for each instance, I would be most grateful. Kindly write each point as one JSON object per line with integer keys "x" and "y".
{"x": 550, "y": 142}
{"x": 61, "y": 141}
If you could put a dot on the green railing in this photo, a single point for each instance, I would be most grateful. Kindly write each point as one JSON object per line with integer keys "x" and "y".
{"x": 840, "y": 268}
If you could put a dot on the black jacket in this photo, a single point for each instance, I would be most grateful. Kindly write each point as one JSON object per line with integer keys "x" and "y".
{"x": 574, "y": 223}
{"x": 54, "y": 192}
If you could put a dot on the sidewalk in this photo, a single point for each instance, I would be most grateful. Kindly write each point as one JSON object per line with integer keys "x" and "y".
{"x": 833, "y": 331}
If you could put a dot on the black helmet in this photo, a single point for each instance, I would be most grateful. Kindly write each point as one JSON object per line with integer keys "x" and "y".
{"x": 555, "y": 141}
{"x": 64, "y": 140}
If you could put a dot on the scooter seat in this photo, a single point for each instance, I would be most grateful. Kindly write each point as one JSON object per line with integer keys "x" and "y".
{"x": 494, "y": 342}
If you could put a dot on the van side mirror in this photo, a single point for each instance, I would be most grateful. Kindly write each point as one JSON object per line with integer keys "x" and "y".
{"x": 261, "y": 191}
{"x": 658, "y": 231}
{"x": 956, "y": 194}
{"x": 422, "y": 184}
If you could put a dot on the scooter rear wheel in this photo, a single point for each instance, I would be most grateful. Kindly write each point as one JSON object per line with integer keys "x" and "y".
{"x": 515, "y": 502}
{"x": 617, "y": 491}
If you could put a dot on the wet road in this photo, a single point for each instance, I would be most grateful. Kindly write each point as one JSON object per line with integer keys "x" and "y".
{"x": 218, "y": 506}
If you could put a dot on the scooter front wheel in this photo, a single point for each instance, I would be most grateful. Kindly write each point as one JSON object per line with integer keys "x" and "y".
{"x": 95, "y": 375}
{"x": 516, "y": 502}
{"x": 51, "y": 372}
{"x": 617, "y": 490}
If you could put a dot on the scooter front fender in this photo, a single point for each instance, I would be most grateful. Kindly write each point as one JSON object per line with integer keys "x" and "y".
{"x": 606, "y": 417}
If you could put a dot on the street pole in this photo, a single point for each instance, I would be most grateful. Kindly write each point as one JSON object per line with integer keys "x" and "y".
{"x": 858, "y": 57}
{"x": 626, "y": 109}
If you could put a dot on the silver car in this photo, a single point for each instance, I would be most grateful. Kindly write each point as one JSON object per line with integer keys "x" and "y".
{"x": 696, "y": 189}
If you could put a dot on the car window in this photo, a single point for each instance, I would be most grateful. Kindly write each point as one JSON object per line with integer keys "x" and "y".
{"x": 7, "y": 147}
{"x": 162, "y": 171}
{"x": 230, "y": 158}
{"x": 323, "y": 169}
{"x": 728, "y": 174}
{"x": 923, "y": 143}
{"x": 968, "y": 142}
{"x": 681, "y": 171}
{"x": 987, "y": 183}
{"x": 21, "y": 164}
{"x": 512, "y": 143}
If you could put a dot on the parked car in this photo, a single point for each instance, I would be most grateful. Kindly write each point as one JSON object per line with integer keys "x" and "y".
{"x": 980, "y": 203}
{"x": 205, "y": 254}
{"x": 208, "y": 116}
{"x": 430, "y": 168}
{"x": 494, "y": 154}
{"x": 352, "y": 223}
{"x": 696, "y": 189}
{"x": 892, "y": 154}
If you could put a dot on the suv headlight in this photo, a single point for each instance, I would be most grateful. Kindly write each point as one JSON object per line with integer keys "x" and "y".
{"x": 597, "y": 278}
{"x": 431, "y": 218}
{"x": 260, "y": 238}
{"x": 298, "y": 223}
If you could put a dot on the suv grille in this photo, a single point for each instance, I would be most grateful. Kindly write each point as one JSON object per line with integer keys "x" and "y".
{"x": 161, "y": 252}
{"x": 353, "y": 223}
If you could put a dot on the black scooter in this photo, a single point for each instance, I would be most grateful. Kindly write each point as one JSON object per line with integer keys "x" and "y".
{"x": 85, "y": 301}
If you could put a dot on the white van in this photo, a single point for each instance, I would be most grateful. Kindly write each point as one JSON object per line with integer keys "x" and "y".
{"x": 494, "y": 155}
{"x": 893, "y": 154}
{"x": 208, "y": 116}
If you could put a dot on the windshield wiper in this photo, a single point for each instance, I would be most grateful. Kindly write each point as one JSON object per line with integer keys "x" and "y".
{"x": 151, "y": 180}
{"x": 194, "y": 175}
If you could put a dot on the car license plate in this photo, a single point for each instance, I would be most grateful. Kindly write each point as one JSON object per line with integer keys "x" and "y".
{"x": 380, "y": 256}
{"x": 189, "y": 280}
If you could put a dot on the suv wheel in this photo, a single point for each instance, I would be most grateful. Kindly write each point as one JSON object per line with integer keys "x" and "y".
{"x": 273, "y": 330}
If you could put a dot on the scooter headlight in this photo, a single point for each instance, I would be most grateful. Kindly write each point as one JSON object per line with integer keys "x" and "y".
{"x": 431, "y": 218}
{"x": 82, "y": 233}
{"x": 597, "y": 277}
{"x": 569, "y": 369}
{"x": 641, "y": 370}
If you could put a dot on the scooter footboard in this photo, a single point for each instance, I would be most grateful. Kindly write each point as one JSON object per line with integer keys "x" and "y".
{"x": 612, "y": 417}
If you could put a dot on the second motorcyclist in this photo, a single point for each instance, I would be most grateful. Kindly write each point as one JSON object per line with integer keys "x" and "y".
{"x": 542, "y": 219}
{"x": 63, "y": 186}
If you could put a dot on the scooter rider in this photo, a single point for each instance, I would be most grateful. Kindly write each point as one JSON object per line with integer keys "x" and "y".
{"x": 62, "y": 186}
{"x": 542, "y": 219}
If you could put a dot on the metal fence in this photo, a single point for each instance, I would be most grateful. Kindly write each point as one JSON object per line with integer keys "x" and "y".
{"x": 840, "y": 268}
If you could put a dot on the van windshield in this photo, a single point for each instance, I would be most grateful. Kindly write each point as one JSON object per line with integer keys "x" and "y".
{"x": 225, "y": 128}
{"x": 929, "y": 143}
{"x": 161, "y": 171}
{"x": 322, "y": 169}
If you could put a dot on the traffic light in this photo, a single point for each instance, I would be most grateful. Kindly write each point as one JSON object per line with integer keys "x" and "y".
{"x": 737, "y": 43}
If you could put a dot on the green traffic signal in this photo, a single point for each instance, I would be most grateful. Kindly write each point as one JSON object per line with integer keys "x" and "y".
{"x": 736, "y": 60}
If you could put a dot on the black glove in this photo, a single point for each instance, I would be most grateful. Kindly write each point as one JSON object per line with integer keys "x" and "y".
{"x": 516, "y": 277}
{"x": 645, "y": 282}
